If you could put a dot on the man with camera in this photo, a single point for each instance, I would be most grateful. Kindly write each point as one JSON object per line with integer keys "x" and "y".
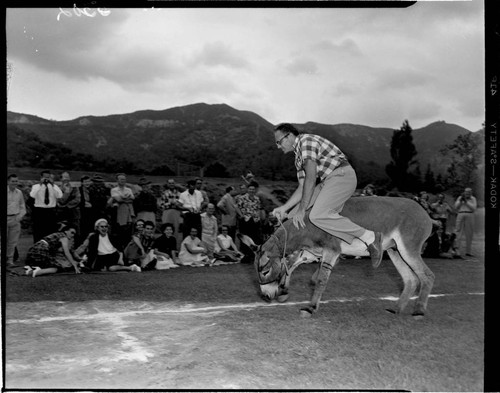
{"x": 45, "y": 195}
{"x": 465, "y": 205}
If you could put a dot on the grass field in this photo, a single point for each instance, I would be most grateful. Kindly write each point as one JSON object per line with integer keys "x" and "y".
{"x": 207, "y": 328}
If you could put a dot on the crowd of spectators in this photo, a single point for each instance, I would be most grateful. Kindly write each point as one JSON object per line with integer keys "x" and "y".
{"x": 447, "y": 242}
{"x": 92, "y": 227}
{"x": 95, "y": 227}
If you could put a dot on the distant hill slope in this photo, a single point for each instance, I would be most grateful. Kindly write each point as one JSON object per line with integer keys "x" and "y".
{"x": 202, "y": 134}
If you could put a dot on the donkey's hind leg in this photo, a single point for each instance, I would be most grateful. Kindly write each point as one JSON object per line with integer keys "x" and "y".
{"x": 425, "y": 277}
{"x": 410, "y": 281}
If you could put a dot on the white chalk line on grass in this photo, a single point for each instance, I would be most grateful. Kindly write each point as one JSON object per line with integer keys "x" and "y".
{"x": 132, "y": 350}
{"x": 189, "y": 308}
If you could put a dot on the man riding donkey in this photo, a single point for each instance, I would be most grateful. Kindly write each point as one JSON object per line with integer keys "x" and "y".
{"x": 326, "y": 182}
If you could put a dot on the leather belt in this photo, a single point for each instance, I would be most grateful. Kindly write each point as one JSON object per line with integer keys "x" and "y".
{"x": 465, "y": 212}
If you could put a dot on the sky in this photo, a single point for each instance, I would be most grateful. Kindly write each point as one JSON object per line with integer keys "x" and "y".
{"x": 369, "y": 66}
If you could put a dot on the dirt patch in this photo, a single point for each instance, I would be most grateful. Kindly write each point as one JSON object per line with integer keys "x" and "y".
{"x": 116, "y": 345}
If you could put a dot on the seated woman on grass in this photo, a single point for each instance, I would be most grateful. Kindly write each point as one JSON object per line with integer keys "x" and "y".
{"x": 137, "y": 250}
{"x": 102, "y": 254}
{"x": 192, "y": 251}
{"x": 166, "y": 244}
{"x": 53, "y": 254}
{"x": 225, "y": 249}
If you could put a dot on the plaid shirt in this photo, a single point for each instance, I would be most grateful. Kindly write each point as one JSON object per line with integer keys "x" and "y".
{"x": 324, "y": 153}
{"x": 169, "y": 198}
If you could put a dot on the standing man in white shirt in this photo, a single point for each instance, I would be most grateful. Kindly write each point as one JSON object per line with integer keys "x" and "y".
{"x": 45, "y": 194}
{"x": 16, "y": 210}
{"x": 191, "y": 201}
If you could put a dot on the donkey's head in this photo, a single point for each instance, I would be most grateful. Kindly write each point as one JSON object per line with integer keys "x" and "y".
{"x": 271, "y": 267}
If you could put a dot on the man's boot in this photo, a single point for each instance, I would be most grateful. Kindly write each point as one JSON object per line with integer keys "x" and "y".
{"x": 375, "y": 250}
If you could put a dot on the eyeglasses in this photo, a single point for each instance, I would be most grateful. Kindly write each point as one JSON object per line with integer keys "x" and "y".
{"x": 280, "y": 141}
{"x": 103, "y": 226}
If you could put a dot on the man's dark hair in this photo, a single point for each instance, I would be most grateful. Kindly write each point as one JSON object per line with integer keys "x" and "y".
{"x": 167, "y": 225}
{"x": 254, "y": 184}
{"x": 149, "y": 223}
{"x": 44, "y": 171}
{"x": 229, "y": 189}
{"x": 85, "y": 177}
{"x": 11, "y": 176}
{"x": 287, "y": 127}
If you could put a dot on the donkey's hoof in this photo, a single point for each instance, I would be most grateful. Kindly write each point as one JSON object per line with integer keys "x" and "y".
{"x": 391, "y": 311}
{"x": 283, "y": 298}
{"x": 305, "y": 313}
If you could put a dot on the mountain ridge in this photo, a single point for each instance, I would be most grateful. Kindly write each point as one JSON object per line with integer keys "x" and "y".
{"x": 207, "y": 134}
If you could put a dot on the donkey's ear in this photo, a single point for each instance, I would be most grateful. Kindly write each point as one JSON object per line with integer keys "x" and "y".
{"x": 247, "y": 240}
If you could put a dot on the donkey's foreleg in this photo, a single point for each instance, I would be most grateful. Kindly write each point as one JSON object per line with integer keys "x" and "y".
{"x": 410, "y": 281}
{"x": 329, "y": 259}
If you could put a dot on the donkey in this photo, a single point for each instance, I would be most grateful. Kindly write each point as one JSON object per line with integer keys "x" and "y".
{"x": 404, "y": 225}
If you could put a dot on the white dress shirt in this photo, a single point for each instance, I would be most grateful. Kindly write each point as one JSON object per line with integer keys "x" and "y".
{"x": 38, "y": 193}
{"x": 189, "y": 201}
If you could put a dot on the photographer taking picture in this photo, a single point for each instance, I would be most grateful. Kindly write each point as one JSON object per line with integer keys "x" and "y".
{"x": 466, "y": 205}
{"x": 45, "y": 195}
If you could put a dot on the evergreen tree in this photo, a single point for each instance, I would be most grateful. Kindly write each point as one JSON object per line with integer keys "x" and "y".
{"x": 465, "y": 158}
{"x": 403, "y": 154}
{"x": 429, "y": 180}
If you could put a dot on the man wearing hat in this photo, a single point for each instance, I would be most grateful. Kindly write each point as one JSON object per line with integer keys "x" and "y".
{"x": 145, "y": 202}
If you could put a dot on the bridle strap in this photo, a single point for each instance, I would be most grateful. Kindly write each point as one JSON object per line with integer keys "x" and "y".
{"x": 283, "y": 259}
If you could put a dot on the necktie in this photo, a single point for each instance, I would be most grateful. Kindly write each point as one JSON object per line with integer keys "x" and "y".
{"x": 46, "y": 200}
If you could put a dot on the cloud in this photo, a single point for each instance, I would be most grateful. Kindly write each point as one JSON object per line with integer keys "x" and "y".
{"x": 372, "y": 65}
{"x": 421, "y": 109}
{"x": 346, "y": 47}
{"x": 302, "y": 65}
{"x": 343, "y": 89}
{"x": 36, "y": 36}
{"x": 400, "y": 79}
{"x": 218, "y": 53}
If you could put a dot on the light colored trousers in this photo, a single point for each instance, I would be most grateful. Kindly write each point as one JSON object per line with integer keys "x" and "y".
{"x": 13, "y": 233}
{"x": 465, "y": 226}
{"x": 328, "y": 200}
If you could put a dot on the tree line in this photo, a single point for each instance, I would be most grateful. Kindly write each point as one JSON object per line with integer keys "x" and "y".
{"x": 26, "y": 149}
{"x": 404, "y": 169}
